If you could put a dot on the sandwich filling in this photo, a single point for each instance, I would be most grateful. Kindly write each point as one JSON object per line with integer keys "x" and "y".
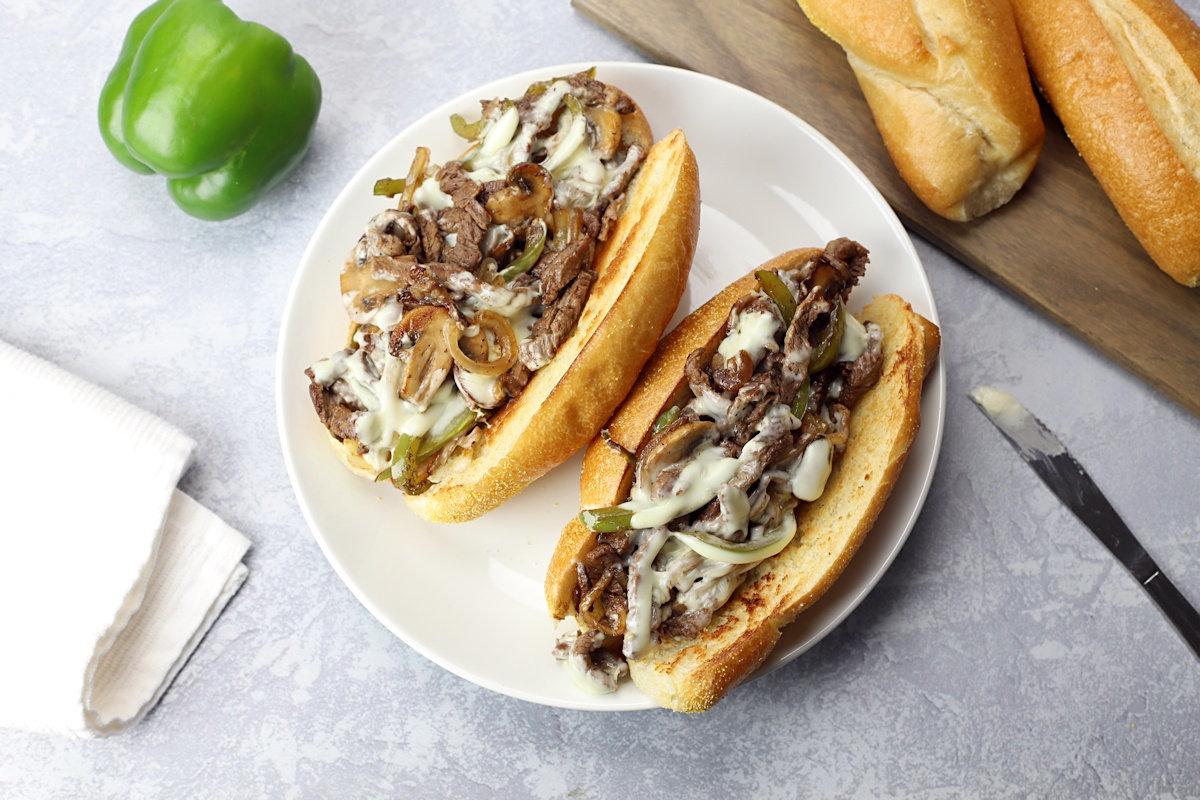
{"x": 475, "y": 278}
{"x": 715, "y": 488}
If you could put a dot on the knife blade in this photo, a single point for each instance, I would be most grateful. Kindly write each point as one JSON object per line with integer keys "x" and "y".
{"x": 1058, "y": 469}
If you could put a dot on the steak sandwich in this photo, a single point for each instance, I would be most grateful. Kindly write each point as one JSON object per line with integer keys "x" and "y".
{"x": 502, "y": 308}
{"x": 738, "y": 478}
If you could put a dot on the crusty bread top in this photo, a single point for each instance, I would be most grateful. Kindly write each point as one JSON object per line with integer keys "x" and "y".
{"x": 692, "y": 675}
{"x": 642, "y": 271}
{"x": 948, "y": 87}
{"x": 1124, "y": 78}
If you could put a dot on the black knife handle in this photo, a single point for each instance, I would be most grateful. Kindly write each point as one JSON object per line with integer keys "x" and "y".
{"x": 1176, "y": 608}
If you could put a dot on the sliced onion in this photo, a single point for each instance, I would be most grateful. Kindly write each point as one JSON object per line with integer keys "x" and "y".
{"x": 749, "y": 552}
{"x": 505, "y": 340}
{"x": 416, "y": 174}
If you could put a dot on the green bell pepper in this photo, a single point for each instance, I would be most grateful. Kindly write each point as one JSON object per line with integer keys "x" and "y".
{"x": 221, "y": 107}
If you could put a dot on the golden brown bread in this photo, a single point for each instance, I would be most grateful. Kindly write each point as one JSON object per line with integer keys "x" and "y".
{"x": 948, "y": 87}
{"x": 692, "y": 675}
{"x": 642, "y": 271}
{"x": 1124, "y": 78}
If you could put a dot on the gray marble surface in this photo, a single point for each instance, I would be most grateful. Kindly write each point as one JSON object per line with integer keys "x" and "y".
{"x": 1005, "y": 653}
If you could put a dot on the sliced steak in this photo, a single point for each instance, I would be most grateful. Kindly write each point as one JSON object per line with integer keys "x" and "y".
{"x": 556, "y": 323}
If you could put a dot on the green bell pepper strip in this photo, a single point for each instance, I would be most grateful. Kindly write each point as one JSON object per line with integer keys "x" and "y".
{"x": 457, "y": 427}
{"x": 467, "y": 130}
{"x": 404, "y": 450}
{"x": 221, "y": 107}
{"x": 800, "y": 401}
{"x": 533, "y": 251}
{"x": 665, "y": 418}
{"x": 825, "y": 348}
{"x": 774, "y": 287}
{"x": 402, "y": 469}
{"x": 607, "y": 520}
{"x": 389, "y": 187}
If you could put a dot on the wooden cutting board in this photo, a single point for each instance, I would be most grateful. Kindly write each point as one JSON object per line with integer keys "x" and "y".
{"x": 1058, "y": 244}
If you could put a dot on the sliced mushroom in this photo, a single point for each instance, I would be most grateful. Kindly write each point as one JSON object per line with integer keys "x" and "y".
{"x": 529, "y": 193}
{"x": 730, "y": 374}
{"x": 428, "y": 361}
{"x": 604, "y": 125}
{"x": 635, "y": 131}
{"x": 416, "y": 321}
{"x": 671, "y": 446}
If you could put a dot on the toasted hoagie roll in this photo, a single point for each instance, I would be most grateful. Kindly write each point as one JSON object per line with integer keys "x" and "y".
{"x": 503, "y": 308}
{"x": 738, "y": 478}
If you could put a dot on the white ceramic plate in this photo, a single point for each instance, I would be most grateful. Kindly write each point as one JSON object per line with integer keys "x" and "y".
{"x": 469, "y": 597}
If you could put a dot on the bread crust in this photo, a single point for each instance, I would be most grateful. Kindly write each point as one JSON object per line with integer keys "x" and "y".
{"x": 692, "y": 675}
{"x": 1123, "y": 76}
{"x": 947, "y": 84}
{"x": 641, "y": 273}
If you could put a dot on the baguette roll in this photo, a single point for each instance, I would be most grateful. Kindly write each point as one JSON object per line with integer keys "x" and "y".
{"x": 501, "y": 311}
{"x": 690, "y": 671}
{"x": 950, "y": 92}
{"x": 1123, "y": 76}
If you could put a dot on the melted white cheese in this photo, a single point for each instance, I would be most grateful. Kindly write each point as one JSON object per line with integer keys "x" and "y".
{"x": 430, "y": 195}
{"x": 854, "y": 340}
{"x": 477, "y": 385}
{"x": 498, "y": 137}
{"x": 811, "y": 472}
{"x": 522, "y": 321}
{"x": 640, "y": 619}
{"x": 754, "y": 332}
{"x": 387, "y": 314}
{"x": 700, "y": 479}
{"x": 377, "y": 427}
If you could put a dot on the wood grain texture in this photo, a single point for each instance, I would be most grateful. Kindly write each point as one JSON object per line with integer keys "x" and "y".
{"x": 1059, "y": 244}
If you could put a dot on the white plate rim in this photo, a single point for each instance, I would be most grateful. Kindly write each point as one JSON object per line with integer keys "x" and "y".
{"x": 847, "y": 592}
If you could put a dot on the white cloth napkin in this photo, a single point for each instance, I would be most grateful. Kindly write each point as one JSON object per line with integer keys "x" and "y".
{"x": 109, "y": 576}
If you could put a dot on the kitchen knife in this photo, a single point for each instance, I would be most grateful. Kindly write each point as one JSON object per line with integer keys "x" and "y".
{"x": 1042, "y": 450}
